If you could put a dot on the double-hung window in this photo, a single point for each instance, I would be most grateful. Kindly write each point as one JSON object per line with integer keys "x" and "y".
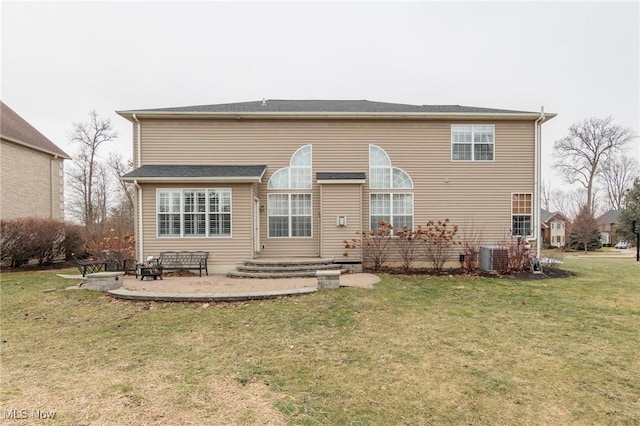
{"x": 194, "y": 212}
{"x": 521, "y": 213}
{"x": 472, "y": 142}
{"x": 289, "y": 214}
{"x": 391, "y": 196}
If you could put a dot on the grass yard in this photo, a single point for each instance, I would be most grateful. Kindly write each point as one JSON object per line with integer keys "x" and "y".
{"x": 414, "y": 351}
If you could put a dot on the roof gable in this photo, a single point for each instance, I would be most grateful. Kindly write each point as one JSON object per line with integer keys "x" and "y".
{"x": 16, "y": 129}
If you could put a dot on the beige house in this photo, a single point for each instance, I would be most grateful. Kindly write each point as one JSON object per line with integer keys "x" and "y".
{"x": 607, "y": 226}
{"x": 31, "y": 172}
{"x": 281, "y": 178}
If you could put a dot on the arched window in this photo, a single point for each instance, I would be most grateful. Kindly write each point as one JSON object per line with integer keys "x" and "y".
{"x": 289, "y": 214}
{"x": 297, "y": 175}
{"x": 391, "y": 206}
{"x": 382, "y": 175}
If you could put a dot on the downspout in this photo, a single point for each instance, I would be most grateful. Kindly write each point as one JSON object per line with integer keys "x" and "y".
{"x": 139, "y": 237}
{"x": 537, "y": 176}
{"x": 139, "y": 227}
{"x": 138, "y": 162}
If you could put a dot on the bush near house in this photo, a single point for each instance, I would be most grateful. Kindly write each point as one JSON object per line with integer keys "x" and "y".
{"x": 43, "y": 240}
{"x": 434, "y": 243}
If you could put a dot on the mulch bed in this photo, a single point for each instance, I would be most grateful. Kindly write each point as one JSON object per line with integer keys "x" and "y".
{"x": 461, "y": 272}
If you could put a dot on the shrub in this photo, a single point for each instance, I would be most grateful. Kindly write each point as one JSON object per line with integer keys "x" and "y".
{"x": 472, "y": 239}
{"x": 438, "y": 240}
{"x": 407, "y": 243}
{"x": 519, "y": 256}
{"x": 376, "y": 245}
{"x": 48, "y": 240}
{"x": 112, "y": 241}
{"x": 44, "y": 240}
{"x": 16, "y": 241}
{"x": 74, "y": 241}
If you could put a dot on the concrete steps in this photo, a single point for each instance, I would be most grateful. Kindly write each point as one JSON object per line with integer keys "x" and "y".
{"x": 283, "y": 268}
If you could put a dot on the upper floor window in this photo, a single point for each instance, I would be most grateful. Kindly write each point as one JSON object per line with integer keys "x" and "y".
{"x": 193, "y": 212}
{"x": 472, "y": 142}
{"x": 382, "y": 175}
{"x": 297, "y": 175}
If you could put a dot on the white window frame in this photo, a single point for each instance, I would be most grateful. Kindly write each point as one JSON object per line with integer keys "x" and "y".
{"x": 387, "y": 186}
{"x": 475, "y": 129}
{"x": 391, "y": 209}
{"x": 514, "y": 214}
{"x": 182, "y": 213}
{"x": 391, "y": 172}
{"x": 289, "y": 215}
{"x": 291, "y": 182}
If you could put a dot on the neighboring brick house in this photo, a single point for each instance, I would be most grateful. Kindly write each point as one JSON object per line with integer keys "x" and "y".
{"x": 607, "y": 226}
{"x": 555, "y": 227}
{"x": 287, "y": 178}
{"x": 32, "y": 170}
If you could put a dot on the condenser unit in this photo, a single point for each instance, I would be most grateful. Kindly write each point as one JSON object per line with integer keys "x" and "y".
{"x": 493, "y": 258}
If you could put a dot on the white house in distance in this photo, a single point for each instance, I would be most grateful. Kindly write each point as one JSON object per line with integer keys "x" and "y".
{"x": 554, "y": 228}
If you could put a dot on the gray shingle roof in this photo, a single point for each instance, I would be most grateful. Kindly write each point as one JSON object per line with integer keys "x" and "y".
{"x": 196, "y": 172}
{"x": 328, "y": 106}
{"x": 15, "y": 128}
{"x": 340, "y": 176}
{"x": 609, "y": 217}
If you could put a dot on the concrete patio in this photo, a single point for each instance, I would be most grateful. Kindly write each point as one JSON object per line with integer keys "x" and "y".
{"x": 224, "y": 288}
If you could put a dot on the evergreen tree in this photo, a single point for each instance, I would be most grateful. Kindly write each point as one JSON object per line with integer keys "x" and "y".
{"x": 630, "y": 212}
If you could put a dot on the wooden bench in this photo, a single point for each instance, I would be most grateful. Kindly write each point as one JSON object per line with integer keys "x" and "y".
{"x": 89, "y": 266}
{"x": 184, "y": 260}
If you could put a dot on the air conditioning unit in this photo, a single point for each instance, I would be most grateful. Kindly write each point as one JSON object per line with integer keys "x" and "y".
{"x": 493, "y": 258}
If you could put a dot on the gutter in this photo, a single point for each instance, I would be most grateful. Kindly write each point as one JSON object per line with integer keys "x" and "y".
{"x": 333, "y": 115}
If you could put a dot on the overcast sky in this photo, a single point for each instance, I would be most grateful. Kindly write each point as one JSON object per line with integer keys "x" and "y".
{"x": 577, "y": 59}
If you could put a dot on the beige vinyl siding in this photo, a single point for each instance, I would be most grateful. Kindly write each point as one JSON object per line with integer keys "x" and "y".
{"x": 224, "y": 252}
{"x": 340, "y": 200}
{"x": 477, "y": 193}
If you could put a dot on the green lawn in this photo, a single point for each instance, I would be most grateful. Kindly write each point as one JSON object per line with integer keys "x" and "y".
{"x": 414, "y": 350}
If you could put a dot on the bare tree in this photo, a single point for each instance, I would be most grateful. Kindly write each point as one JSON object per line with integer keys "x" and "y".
{"x": 545, "y": 195}
{"x": 121, "y": 217}
{"x": 589, "y": 143}
{"x": 85, "y": 173}
{"x": 584, "y": 230}
{"x": 617, "y": 175}
{"x": 101, "y": 192}
{"x": 120, "y": 167}
{"x": 560, "y": 201}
